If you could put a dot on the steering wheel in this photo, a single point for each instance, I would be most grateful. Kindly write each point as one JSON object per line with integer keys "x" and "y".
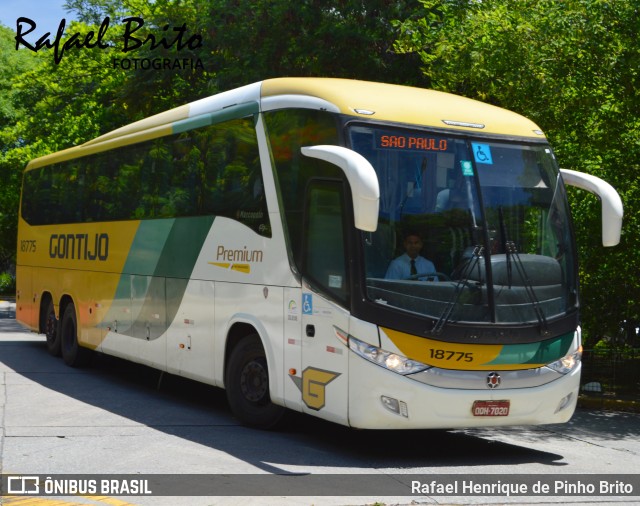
{"x": 441, "y": 276}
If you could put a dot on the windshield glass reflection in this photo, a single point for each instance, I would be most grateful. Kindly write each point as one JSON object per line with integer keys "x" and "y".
{"x": 469, "y": 230}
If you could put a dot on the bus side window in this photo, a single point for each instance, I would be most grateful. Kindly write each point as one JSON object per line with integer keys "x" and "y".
{"x": 324, "y": 245}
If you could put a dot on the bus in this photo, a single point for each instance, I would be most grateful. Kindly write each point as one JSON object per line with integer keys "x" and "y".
{"x": 245, "y": 240}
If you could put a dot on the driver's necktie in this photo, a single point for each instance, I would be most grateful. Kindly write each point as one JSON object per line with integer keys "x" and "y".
{"x": 413, "y": 267}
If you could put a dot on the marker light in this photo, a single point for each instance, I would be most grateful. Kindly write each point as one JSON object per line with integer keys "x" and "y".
{"x": 395, "y": 406}
{"x": 564, "y": 403}
{"x": 365, "y": 112}
{"x": 465, "y": 124}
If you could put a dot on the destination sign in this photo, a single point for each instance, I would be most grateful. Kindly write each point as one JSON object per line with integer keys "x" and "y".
{"x": 409, "y": 142}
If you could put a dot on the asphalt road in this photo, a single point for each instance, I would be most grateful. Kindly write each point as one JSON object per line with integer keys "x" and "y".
{"x": 116, "y": 418}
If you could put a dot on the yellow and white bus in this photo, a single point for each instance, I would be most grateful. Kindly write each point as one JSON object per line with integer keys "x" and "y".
{"x": 244, "y": 240}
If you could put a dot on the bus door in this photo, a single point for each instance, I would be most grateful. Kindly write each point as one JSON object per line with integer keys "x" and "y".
{"x": 325, "y": 292}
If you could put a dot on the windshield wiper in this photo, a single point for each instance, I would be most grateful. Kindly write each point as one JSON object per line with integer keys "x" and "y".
{"x": 505, "y": 247}
{"x": 528, "y": 288}
{"x": 510, "y": 250}
{"x": 445, "y": 317}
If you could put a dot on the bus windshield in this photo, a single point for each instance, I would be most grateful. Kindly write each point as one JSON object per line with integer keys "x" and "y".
{"x": 469, "y": 229}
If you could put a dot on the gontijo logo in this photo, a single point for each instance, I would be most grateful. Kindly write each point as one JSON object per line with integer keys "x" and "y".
{"x": 313, "y": 385}
{"x": 79, "y": 246}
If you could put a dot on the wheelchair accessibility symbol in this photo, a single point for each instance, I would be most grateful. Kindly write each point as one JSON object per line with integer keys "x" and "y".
{"x": 307, "y": 303}
{"x": 482, "y": 153}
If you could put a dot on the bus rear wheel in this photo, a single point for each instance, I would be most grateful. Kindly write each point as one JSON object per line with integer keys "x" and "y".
{"x": 247, "y": 385}
{"x": 51, "y": 330}
{"x": 73, "y": 354}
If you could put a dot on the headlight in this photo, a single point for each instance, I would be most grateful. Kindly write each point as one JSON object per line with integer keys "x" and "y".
{"x": 567, "y": 363}
{"x": 392, "y": 361}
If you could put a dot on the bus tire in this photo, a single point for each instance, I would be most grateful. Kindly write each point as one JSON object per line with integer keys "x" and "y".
{"x": 51, "y": 330}
{"x": 73, "y": 354}
{"x": 247, "y": 385}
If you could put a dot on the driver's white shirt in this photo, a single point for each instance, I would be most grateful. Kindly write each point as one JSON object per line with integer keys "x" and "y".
{"x": 400, "y": 268}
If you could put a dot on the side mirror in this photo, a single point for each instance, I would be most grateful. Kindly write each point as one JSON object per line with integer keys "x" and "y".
{"x": 612, "y": 211}
{"x": 365, "y": 190}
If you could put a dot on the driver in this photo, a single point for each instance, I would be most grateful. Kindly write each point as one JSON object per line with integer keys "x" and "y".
{"x": 411, "y": 265}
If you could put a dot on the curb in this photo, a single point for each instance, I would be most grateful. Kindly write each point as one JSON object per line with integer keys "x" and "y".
{"x": 608, "y": 404}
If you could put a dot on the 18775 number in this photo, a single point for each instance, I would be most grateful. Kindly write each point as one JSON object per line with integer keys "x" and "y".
{"x": 28, "y": 246}
{"x": 457, "y": 356}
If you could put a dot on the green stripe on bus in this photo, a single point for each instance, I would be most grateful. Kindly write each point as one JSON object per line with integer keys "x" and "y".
{"x": 144, "y": 254}
{"x": 147, "y": 246}
{"x": 228, "y": 113}
{"x": 162, "y": 249}
{"x": 182, "y": 246}
{"x": 544, "y": 352}
{"x": 177, "y": 260}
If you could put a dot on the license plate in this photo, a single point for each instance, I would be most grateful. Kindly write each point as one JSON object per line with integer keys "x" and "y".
{"x": 490, "y": 408}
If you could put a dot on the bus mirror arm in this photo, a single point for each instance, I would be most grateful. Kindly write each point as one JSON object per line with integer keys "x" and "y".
{"x": 365, "y": 190}
{"x": 612, "y": 210}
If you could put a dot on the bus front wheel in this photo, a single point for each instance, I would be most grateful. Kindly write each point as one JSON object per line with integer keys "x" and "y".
{"x": 73, "y": 354}
{"x": 247, "y": 385}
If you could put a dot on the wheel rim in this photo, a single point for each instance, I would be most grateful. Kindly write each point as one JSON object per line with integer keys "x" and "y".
{"x": 254, "y": 381}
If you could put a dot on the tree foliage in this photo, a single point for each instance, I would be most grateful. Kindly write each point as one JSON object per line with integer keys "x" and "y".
{"x": 12, "y": 145}
{"x": 571, "y": 65}
{"x": 45, "y": 107}
{"x": 253, "y": 40}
